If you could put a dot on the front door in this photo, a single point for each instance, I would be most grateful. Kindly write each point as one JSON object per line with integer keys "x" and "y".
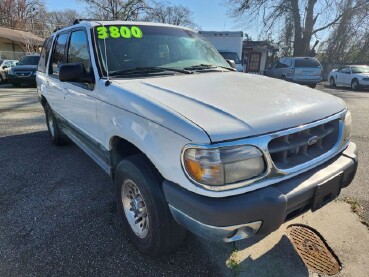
{"x": 80, "y": 99}
{"x": 254, "y": 62}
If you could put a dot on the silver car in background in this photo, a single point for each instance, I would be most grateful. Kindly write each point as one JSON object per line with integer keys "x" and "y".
{"x": 300, "y": 70}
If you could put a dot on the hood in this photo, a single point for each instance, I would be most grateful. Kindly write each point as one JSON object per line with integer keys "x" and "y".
{"x": 24, "y": 67}
{"x": 234, "y": 105}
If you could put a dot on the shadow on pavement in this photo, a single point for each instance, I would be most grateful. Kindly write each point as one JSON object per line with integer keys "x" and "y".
{"x": 58, "y": 217}
{"x": 280, "y": 260}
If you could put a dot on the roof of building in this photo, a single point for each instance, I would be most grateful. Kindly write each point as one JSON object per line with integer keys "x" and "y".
{"x": 20, "y": 36}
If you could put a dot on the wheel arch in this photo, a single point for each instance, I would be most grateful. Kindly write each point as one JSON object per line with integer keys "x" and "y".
{"x": 119, "y": 149}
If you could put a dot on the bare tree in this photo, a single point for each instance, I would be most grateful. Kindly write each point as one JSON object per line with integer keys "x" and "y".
{"x": 349, "y": 40}
{"x": 19, "y": 14}
{"x": 165, "y": 13}
{"x": 116, "y": 9}
{"x": 60, "y": 19}
{"x": 308, "y": 17}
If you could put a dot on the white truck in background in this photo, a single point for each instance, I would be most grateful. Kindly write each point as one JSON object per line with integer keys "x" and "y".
{"x": 228, "y": 44}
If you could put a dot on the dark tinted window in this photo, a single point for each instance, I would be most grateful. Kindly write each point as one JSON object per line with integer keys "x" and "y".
{"x": 29, "y": 60}
{"x": 230, "y": 56}
{"x": 78, "y": 50}
{"x": 44, "y": 55}
{"x": 345, "y": 70}
{"x": 307, "y": 63}
{"x": 58, "y": 57}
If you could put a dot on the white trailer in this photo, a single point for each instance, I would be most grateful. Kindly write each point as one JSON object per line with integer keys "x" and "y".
{"x": 228, "y": 44}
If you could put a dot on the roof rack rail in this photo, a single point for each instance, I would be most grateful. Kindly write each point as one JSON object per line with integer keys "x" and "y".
{"x": 79, "y": 20}
{"x": 57, "y": 29}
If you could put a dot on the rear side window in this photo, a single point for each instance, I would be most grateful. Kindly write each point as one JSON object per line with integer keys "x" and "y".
{"x": 58, "y": 56}
{"x": 307, "y": 63}
{"x": 44, "y": 55}
{"x": 78, "y": 50}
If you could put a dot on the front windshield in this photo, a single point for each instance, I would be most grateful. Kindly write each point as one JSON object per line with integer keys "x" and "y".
{"x": 231, "y": 56}
{"x": 360, "y": 69}
{"x": 134, "y": 46}
{"x": 29, "y": 60}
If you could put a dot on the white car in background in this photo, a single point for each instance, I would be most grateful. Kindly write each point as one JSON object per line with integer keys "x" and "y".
{"x": 354, "y": 76}
{"x": 5, "y": 66}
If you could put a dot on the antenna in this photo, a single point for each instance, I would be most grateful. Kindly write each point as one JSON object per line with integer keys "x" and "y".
{"x": 108, "y": 82}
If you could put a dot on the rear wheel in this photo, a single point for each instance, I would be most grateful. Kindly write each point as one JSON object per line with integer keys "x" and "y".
{"x": 312, "y": 86}
{"x": 143, "y": 209}
{"x": 283, "y": 77}
{"x": 332, "y": 83}
{"x": 355, "y": 84}
{"x": 56, "y": 135}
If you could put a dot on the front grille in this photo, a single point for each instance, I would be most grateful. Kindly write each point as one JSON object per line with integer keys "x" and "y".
{"x": 300, "y": 147}
{"x": 23, "y": 73}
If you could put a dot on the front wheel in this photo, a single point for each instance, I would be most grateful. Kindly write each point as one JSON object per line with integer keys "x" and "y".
{"x": 355, "y": 84}
{"x": 143, "y": 209}
{"x": 332, "y": 83}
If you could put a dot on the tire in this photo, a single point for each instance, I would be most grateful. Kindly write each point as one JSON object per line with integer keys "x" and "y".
{"x": 332, "y": 83}
{"x": 283, "y": 77}
{"x": 56, "y": 135}
{"x": 355, "y": 84}
{"x": 1, "y": 79}
{"x": 154, "y": 232}
{"x": 312, "y": 86}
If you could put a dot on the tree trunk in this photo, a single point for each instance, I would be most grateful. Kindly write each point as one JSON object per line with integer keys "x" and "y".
{"x": 297, "y": 43}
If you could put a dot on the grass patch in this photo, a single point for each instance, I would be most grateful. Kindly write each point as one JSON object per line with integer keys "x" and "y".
{"x": 233, "y": 263}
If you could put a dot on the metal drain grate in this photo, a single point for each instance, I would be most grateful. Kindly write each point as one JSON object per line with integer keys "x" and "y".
{"x": 313, "y": 251}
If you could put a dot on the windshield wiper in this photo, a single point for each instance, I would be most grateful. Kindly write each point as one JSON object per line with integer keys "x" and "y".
{"x": 207, "y": 66}
{"x": 144, "y": 70}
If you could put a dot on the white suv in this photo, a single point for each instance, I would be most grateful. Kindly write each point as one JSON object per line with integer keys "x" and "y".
{"x": 188, "y": 142}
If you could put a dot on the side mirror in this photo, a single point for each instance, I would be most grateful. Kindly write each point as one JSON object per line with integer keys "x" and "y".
{"x": 231, "y": 63}
{"x": 16, "y": 63}
{"x": 73, "y": 72}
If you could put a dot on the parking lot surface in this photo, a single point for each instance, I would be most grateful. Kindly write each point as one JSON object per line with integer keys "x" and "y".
{"x": 58, "y": 214}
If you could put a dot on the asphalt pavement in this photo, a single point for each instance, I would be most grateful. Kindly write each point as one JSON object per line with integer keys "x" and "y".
{"x": 58, "y": 214}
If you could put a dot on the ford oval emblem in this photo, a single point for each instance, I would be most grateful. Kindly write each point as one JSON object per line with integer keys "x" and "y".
{"x": 312, "y": 140}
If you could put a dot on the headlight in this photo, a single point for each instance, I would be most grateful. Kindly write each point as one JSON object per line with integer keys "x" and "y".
{"x": 222, "y": 166}
{"x": 347, "y": 123}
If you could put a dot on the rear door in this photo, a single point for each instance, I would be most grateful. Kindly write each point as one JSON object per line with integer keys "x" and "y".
{"x": 54, "y": 92}
{"x": 308, "y": 68}
{"x": 41, "y": 77}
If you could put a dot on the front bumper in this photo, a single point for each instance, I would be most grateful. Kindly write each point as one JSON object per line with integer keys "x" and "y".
{"x": 264, "y": 210}
{"x": 14, "y": 79}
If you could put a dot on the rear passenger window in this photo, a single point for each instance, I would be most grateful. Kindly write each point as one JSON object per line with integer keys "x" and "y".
{"x": 78, "y": 50}
{"x": 44, "y": 55}
{"x": 307, "y": 63}
{"x": 58, "y": 57}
